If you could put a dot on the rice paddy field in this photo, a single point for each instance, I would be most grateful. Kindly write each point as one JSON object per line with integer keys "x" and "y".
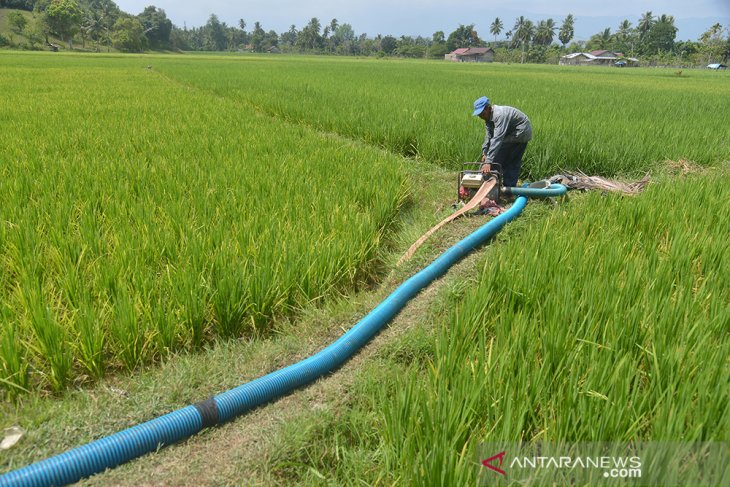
{"x": 153, "y": 205}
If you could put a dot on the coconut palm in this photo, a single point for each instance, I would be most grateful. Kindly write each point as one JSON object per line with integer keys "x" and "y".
{"x": 625, "y": 37}
{"x": 624, "y": 30}
{"x": 545, "y": 32}
{"x": 602, "y": 40}
{"x": 519, "y": 25}
{"x": 551, "y": 28}
{"x": 606, "y": 37}
{"x": 524, "y": 32}
{"x": 496, "y": 28}
{"x": 666, "y": 19}
{"x": 645, "y": 23}
{"x": 92, "y": 27}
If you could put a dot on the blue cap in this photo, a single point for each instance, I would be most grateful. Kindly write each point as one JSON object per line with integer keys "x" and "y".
{"x": 480, "y": 105}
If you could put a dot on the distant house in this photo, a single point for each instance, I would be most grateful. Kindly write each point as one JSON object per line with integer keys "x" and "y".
{"x": 598, "y": 58}
{"x": 471, "y": 55}
{"x": 605, "y": 53}
{"x": 249, "y": 48}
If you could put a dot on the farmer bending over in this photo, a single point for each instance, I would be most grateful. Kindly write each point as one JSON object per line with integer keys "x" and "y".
{"x": 508, "y": 132}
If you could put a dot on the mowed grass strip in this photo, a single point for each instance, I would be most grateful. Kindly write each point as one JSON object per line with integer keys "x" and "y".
{"x": 600, "y": 120}
{"x": 139, "y": 217}
{"x": 606, "y": 320}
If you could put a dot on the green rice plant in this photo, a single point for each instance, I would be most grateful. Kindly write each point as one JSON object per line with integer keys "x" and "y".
{"x": 79, "y": 315}
{"x": 91, "y": 339}
{"x": 174, "y": 201}
{"x": 156, "y": 218}
{"x": 230, "y": 302}
{"x": 49, "y": 336}
{"x": 129, "y": 334}
{"x": 598, "y": 120}
{"x": 14, "y": 377}
{"x": 603, "y": 319}
{"x": 606, "y": 321}
{"x": 163, "y": 320}
{"x": 189, "y": 292}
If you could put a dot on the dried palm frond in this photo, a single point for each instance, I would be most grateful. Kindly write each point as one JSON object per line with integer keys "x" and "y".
{"x": 579, "y": 180}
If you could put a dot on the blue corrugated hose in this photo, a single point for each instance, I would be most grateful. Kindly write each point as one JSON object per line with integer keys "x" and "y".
{"x": 147, "y": 437}
{"x": 552, "y": 190}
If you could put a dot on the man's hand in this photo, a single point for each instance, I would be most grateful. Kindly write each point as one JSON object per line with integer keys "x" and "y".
{"x": 486, "y": 166}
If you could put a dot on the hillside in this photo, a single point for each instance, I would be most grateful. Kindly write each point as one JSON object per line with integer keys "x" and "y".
{"x": 11, "y": 39}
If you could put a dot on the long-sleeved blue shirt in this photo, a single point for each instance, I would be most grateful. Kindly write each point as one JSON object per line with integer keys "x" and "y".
{"x": 506, "y": 124}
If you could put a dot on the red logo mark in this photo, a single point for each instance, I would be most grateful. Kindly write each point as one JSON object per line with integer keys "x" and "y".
{"x": 488, "y": 463}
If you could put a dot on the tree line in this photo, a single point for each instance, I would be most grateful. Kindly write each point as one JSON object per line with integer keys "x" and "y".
{"x": 100, "y": 24}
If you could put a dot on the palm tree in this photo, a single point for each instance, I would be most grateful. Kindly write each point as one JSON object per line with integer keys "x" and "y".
{"x": 518, "y": 27}
{"x": 566, "y": 30}
{"x": 624, "y": 37}
{"x": 666, "y": 19}
{"x": 624, "y": 29}
{"x": 645, "y": 23}
{"x": 551, "y": 29}
{"x": 524, "y": 31}
{"x": 545, "y": 32}
{"x": 602, "y": 40}
{"x": 606, "y": 37}
{"x": 541, "y": 33}
{"x": 496, "y": 28}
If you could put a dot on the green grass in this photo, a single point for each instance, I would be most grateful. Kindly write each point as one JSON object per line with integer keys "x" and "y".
{"x": 603, "y": 121}
{"x": 17, "y": 39}
{"x": 21, "y": 40}
{"x": 616, "y": 330}
{"x": 140, "y": 218}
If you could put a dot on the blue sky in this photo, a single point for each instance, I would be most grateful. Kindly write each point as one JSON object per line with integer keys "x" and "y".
{"x": 424, "y": 17}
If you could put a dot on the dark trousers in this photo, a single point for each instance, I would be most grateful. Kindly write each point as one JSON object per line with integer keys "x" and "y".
{"x": 510, "y": 157}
